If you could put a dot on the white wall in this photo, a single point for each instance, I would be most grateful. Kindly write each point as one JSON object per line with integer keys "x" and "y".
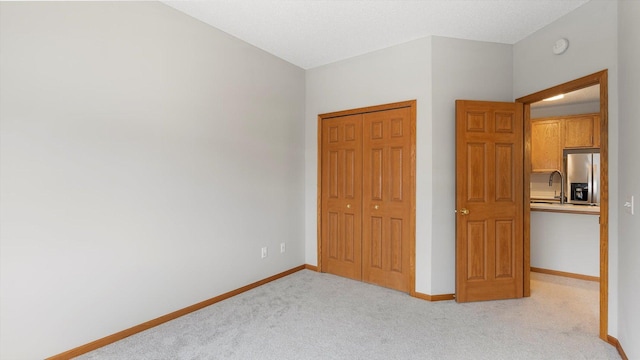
{"x": 145, "y": 159}
{"x": 629, "y": 225}
{"x": 565, "y": 242}
{"x": 395, "y": 74}
{"x": 458, "y": 69}
{"x": 133, "y": 135}
{"x": 592, "y": 32}
{"x": 469, "y": 70}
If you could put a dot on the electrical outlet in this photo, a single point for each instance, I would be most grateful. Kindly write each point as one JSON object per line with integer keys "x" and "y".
{"x": 628, "y": 205}
{"x": 282, "y": 247}
{"x": 264, "y": 252}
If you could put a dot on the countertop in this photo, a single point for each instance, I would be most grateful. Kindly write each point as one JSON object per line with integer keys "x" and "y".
{"x": 565, "y": 208}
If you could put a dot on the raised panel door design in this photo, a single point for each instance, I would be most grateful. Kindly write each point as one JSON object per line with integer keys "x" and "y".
{"x": 350, "y": 163}
{"x": 504, "y": 249}
{"x": 342, "y": 196}
{"x": 367, "y": 194}
{"x": 476, "y": 122}
{"x": 397, "y": 129}
{"x": 476, "y": 250}
{"x": 489, "y": 187}
{"x": 333, "y": 234}
{"x": 504, "y": 172}
{"x": 387, "y": 146}
{"x": 396, "y": 158}
{"x": 376, "y": 130}
{"x": 374, "y": 175}
{"x": 476, "y": 177}
{"x": 397, "y": 240}
{"x": 504, "y": 122}
{"x": 333, "y": 173}
{"x": 332, "y": 134}
{"x": 342, "y": 237}
{"x": 375, "y": 242}
{"x": 349, "y": 242}
{"x": 350, "y": 132}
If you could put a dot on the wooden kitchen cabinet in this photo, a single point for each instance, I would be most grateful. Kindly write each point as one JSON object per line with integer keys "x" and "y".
{"x": 550, "y": 136}
{"x": 546, "y": 146}
{"x": 581, "y": 131}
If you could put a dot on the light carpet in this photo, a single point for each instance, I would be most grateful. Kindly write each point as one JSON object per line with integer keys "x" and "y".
{"x": 309, "y": 315}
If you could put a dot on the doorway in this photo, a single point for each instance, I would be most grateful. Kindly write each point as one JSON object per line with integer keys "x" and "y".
{"x": 565, "y": 240}
{"x": 599, "y": 78}
{"x": 366, "y": 194}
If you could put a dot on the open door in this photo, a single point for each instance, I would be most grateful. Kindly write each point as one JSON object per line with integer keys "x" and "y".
{"x": 489, "y": 200}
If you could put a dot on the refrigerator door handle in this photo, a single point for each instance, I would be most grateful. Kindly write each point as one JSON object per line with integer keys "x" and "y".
{"x": 591, "y": 168}
{"x": 593, "y": 191}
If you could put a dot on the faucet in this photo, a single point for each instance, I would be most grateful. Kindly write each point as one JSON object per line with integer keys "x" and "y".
{"x": 561, "y": 183}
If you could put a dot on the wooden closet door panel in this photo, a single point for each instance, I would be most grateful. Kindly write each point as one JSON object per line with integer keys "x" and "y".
{"x": 387, "y": 198}
{"x": 342, "y": 196}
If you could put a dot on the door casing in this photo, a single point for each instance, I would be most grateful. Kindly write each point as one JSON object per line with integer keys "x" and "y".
{"x": 583, "y": 82}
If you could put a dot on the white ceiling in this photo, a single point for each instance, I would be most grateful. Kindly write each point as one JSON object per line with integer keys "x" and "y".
{"x": 585, "y": 95}
{"x": 311, "y": 33}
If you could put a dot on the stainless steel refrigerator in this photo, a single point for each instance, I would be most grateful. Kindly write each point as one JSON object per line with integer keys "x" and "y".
{"x": 583, "y": 177}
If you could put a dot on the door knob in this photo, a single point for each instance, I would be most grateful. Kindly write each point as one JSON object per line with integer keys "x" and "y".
{"x": 464, "y": 211}
{"x": 376, "y": 207}
{"x": 348, "y": 206}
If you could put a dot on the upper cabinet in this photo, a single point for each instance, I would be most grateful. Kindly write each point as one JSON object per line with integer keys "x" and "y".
{"x": 550, "y": 136}
{"x": 546, "y": 150}
{"x": 596, "y": 131}
{"x": 581, "y": 131}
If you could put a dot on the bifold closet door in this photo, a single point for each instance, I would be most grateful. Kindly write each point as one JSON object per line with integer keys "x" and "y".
{"x": 387, "y": 198}
{"x": 342, "y": 196}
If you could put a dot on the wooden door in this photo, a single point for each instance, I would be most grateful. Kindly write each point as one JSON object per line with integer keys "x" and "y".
{"x": 342, "y": 196}
{"x": 387, "y": 198}
{"x": 367, "y": 194}
{"x": 489, "y": 200}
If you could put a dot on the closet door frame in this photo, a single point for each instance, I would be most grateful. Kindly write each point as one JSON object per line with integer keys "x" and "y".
{"x": 412, "y": 104}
